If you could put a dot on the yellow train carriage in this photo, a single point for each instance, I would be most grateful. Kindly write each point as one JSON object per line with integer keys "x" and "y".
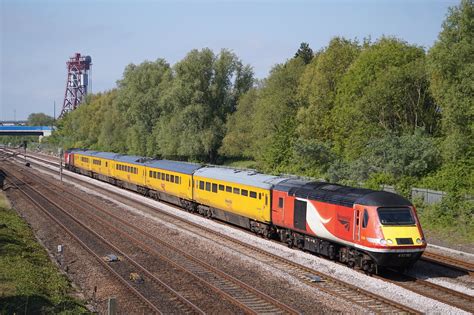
{"x": 82, "y": 160}
{"x": 242, "y": 193}
{"x": 129, "y": 169}
{"x": 171, "y": 178}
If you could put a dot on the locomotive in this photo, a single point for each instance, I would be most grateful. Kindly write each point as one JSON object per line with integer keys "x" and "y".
{"x": 362, "y": 228}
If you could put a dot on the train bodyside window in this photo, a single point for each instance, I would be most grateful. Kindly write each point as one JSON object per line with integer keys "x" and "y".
{"x": 106, "y": 164}
{"x": 259, "y": 195}
{"x": 214, "y": 188}
{"x": 244, "y": 192}
{"x": 221, "y": 187}
{"x": 208, "y": 186}
{"x": 177, "y": 179}
{"x": 237, "y": 191}
{"x": 167, "y": 177}
{"x": 172, "y": 178}
{"x": 150, "y": 174}
{"x": 266, "y": 199}
{"x": 253, "y": 194}
{"x": 280, "y": 203}
{"x": 365, "y": 219}
{"x": 201, "y": 185}
{"x": 158, "y": 175}
{"x": 228, "y": 189}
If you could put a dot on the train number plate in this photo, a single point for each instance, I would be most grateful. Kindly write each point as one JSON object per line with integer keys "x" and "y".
{"x": 404, "y": 255}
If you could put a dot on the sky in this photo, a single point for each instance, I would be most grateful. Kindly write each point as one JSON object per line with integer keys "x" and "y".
{"x": 37, "y": 37}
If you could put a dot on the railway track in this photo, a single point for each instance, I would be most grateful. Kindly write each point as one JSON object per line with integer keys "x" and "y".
{"x": 156, "y": 295}
{"x": 451, "y": 297}
{"x": 449, "y": 262}
{"x": 246, "y": 298}
{"x": 370, "y": 301}
{"x": 428, "y": 256}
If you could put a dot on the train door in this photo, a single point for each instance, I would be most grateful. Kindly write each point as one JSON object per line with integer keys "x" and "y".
{"x": 357, "y": 225}
{"x": 299, "y": 216}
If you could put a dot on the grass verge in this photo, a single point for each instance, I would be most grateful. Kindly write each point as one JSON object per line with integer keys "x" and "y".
{"x": 29, "y": 282}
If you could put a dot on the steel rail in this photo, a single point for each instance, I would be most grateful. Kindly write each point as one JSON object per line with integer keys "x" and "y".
{"x": 329, "y": 284}
{"x": 449, "y": 262}
{"x": 445, "y": 295}
{"x": 183, "y": 300}
{"x": 225, "y": 286}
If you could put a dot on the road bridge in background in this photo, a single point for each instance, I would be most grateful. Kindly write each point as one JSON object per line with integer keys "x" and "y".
{"x": 13, "y": 122}
{"x": 25, "y": 131}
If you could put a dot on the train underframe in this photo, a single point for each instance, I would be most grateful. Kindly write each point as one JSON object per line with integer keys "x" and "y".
{"x": 369, "y": 262}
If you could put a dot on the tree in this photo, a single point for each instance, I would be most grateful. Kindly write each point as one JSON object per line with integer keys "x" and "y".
{"x": 238, "y": 140}
{"x": 305, "y": 53}
{"x": 386, "y": 89}
{"x": 204, "y": 91}
{"x": 451, "y": 67}
{"x": 319, "y": 85}
{"x": 275, "y": 114}
{"x": 40, "y": 119}
{"x": 140, "y": 92}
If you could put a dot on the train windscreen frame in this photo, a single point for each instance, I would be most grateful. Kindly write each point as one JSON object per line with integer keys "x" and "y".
{"x": 396, "y": 216}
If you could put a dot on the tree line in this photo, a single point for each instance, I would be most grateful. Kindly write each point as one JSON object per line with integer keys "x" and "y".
{"x": 356, "y": 112}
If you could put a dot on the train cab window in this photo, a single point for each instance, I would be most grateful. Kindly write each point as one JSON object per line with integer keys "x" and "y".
{"x": 167, "y": 177}
{"x": 280, "y": 203}
{"x": 244, "y": 192}
{"x": 201, "y": 185}
{"x": 253, "y": 194}
{"x": 365, "y": 219}
{"x": 228, "y": 189}
{"x": 237, "y": 191}
{"x": 208, "y": 186}
{"x": 172, "y": 178}
{"x": 214, "y": 188}
{"x": 221, "y": 187}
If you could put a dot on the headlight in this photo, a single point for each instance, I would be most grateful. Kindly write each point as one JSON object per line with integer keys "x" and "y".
{"x": 383, "y": 242}
{"x": 389, "y": 242}
{"x": 419, "y": 241}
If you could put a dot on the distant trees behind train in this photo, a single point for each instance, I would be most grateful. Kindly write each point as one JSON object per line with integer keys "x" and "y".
{"x": 372, "y": 112}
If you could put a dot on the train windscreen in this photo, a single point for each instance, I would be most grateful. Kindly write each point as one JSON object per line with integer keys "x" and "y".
{"x": 396, "y": 216}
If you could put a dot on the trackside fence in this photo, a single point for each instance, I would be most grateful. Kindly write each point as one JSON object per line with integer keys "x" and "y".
{"x": 428, "y": 196}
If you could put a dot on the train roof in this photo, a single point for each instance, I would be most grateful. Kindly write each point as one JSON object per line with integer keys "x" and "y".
{"x": 85, "y": 152}
{"x": 132, "y": 159}
{"x": 105, "y": 155}
{"x": 243, "y": 177}
{"x": 340, "y": 195}
{"x": 174, "y": 166}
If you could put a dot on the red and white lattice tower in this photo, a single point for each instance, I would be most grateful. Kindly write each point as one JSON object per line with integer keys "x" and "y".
{"x": 77, "y": 82}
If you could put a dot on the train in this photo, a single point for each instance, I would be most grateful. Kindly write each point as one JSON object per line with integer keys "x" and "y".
{"x": 362, "y": 228}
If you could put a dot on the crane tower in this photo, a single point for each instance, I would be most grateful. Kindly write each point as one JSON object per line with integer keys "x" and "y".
{"x": 77, "y": 82}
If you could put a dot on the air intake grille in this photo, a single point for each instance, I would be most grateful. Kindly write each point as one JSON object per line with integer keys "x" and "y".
{"x": 404, "y": 241}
